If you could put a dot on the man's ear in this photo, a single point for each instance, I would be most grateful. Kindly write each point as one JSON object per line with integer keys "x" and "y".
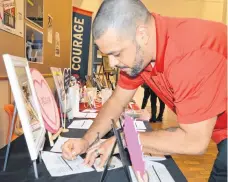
{"x": 142, "y": 35}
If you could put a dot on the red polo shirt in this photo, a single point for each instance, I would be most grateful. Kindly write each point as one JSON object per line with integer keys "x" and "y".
{"x": 190, "y": 71}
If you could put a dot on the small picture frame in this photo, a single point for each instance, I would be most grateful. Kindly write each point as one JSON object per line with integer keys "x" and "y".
{"x": 26, "y": 103}
{"x": 34, "y": 12}
{"x": 33, "y": 44}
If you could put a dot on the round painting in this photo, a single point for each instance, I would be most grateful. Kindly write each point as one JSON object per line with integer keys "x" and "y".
{"x": 47, "y": 102}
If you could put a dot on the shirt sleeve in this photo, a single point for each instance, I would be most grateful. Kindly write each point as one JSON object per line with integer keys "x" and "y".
{"x": 129, "y": 83}
{"x": 199, "y": 86}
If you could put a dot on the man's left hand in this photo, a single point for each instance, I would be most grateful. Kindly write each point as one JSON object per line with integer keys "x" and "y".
{"x": 101, "y": 149}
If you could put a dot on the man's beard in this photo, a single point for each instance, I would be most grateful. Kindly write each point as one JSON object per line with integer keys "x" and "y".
{"x": 138, "y": 64}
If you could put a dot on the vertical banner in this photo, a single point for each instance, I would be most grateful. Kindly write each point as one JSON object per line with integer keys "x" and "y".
{"x": 81, "y": 30}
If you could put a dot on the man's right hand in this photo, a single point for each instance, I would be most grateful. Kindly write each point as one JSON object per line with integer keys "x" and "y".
{"x": 74, "y": 147}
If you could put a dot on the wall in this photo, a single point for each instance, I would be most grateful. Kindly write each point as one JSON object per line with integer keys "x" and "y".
{"x": 61, "y": 13}
{"x": 215, "y": 10}
{"x": 14, "y": 45}
{"x": 11, "y": 44}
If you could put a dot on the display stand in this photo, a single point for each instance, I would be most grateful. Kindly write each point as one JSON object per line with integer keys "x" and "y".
{"x": 122, "y": 155}
{"x": 9, "y": 143}
{"x": 65, "y": 130}
{"x": 53, "y": 137}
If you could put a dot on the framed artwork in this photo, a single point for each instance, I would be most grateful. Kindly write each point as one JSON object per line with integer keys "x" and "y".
{"x": 33, "y": 44}
{"x": 34, "y": 11}
{"x": 26, "y": 103}
{"x": 12, "y": 16}
{"x": 59, "y": 84}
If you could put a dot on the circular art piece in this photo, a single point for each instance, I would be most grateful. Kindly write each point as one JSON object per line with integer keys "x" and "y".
{"x": 47, "y": 102}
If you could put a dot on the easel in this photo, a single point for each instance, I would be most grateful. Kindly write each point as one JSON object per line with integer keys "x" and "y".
{"x": 122, "y": 155}
{"x": 106, "y": 72}
{"x": 9, "y": 143}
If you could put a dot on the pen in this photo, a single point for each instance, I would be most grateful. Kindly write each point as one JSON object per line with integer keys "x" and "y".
{"x": 156, "y": 173}
{"x": 66, "y": 163}
{"x": 55, "y": 152}
{"x": 83, "y": 123}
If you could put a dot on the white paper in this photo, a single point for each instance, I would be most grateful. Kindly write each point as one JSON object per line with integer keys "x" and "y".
{"x": 57, "y": 44}
{"x": 81, "y": 124}
{"x": 91, "y": 115}
{"x": 140, "y": 125}
{"x": 58, "y": 144}
{"x": 80, "y": 115}
{"x": 86, "y": 115}
{"x": 57, "y": 166}
{"x": 89, "y": 111}
{"x": 153, "y": 158}
{"x": 61, "y": 140}
{"x": 158, "y": 172}
{"x": 133, "y": 177}
{"x": 114, "y": 164}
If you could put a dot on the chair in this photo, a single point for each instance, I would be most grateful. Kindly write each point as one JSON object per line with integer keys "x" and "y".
{"x": 9, "y": 108}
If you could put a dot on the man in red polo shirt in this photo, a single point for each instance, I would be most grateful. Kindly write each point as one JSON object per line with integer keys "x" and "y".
{"x": 188, "y": 74}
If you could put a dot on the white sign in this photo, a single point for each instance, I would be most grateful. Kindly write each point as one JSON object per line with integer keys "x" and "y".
{"x": 12, "y": 16}
{"x": 50, "y": 29}
{"x": 57, "y": 44}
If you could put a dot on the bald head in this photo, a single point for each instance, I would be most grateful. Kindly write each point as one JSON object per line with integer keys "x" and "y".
{"x": 121, "y": 15}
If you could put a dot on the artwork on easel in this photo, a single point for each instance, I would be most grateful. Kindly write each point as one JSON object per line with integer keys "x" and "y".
{"x": 59, "y": 84}
{"x": 27, "y": 105}
{"x": 66, "y": 80}
{"x": 97, "y": 81}
{"x": 134, "y": 145}
{"x": 48, "y": 105}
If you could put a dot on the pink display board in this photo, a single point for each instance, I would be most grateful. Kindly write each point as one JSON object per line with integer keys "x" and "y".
{"x": 47, "y": 102}
{"x": 133, "y": 145}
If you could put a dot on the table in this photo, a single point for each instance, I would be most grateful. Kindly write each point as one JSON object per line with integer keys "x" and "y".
{"x": 20, "y": 167}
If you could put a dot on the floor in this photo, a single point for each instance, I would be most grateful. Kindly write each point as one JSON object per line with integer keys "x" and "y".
{"x": 194, "y": 168}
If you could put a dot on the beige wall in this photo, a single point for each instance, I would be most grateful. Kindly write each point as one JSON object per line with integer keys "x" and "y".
{"x": 11, "y": 44}
{"x": 205, "y": 9}
{"x": 14, "y": 45}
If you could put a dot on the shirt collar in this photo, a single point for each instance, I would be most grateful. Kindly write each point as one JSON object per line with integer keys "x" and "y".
{"x": 161, "y": 42}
